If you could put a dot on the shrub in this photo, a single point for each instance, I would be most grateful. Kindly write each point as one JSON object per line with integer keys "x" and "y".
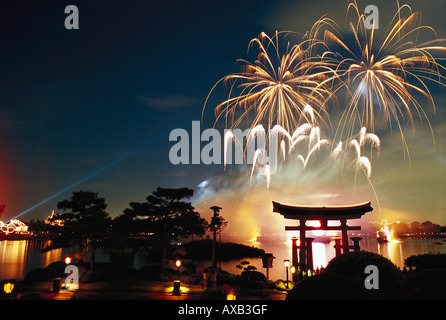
{"x": 353, "y": 264}
{"x": 330, "y": 286}
{"x": 251, "y": 280}
{"x": 427, "y": 284}
{"x": 426, "y": 261}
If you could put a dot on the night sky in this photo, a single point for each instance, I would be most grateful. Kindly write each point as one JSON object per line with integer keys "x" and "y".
{"x": 92, "y": 108}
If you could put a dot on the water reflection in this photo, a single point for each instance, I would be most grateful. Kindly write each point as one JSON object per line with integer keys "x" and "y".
{"x": 19, "y": 257}
{"x": 393, "y": 251}
{"x": 396, "y": 251}
{"x": 322, "y": 253}
{"x": 12, "y": 258}
{"x": 51, "y": 256}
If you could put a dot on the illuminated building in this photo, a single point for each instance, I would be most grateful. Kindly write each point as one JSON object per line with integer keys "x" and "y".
{"x": 52, "y": 221}
{"x": 13, "y": 226}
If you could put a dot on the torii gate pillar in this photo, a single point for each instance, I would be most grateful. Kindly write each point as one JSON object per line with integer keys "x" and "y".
{"x": 323, "y": 215}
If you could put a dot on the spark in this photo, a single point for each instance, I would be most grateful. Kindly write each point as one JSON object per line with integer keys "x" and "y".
{"x": 276, "y": 88}
{"x": 383, "y": 74}
{"x": 315, "y": 148}
{"x": 364, "y": 162}
{"x": 290, "y": 88}
{"x": 337, "y": 151}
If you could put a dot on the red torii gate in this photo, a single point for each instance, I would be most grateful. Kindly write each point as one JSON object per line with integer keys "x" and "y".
{"x": 323, "y": 215}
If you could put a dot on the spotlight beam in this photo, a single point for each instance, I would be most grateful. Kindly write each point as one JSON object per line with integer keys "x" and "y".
{"x": 89, "y": 176}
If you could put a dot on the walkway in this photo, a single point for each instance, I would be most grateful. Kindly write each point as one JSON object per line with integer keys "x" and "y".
{"x": 134, "y": 290}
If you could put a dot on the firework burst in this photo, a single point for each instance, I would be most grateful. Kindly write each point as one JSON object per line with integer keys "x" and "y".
{"x": 274, "y": 89}
{"x": 390, "y": 74}
{"x": 288, "y": 90}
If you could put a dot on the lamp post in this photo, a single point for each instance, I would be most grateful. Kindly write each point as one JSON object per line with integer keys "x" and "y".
{"x": 177, "y": 283}
{"x": 287, "y": 264}
{"x": 178, "y": 265}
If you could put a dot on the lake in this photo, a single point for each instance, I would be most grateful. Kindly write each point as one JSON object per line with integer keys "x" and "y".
{"x": 18, "y": 257}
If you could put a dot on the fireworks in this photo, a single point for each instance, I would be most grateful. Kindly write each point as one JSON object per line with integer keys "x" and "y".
{"x": 388, "y": 74}
{"x": 276, "y": 88}
{"x": 290, "y": 91}
{"x": 384, "y": 74}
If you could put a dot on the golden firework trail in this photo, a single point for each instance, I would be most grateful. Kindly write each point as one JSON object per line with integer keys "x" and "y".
{"x": 276, "y": 88}
{"x": 292, "y": 88}
{"x": 388, "y": 74}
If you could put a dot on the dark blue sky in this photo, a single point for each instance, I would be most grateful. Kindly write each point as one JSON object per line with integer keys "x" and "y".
{"x": 75, "y": 100}
{"x": 72, "y": 102}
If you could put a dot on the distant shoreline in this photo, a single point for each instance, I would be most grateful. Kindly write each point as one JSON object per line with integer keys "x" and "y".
{"x": 13, "y": 236}
{"x": 434, "y": 236}
{"x": 20, "y": 237}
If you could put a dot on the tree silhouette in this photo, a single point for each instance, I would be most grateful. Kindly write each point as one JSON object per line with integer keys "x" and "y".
{"x": 86, "y": 219}
{"x": 166, "y": 217}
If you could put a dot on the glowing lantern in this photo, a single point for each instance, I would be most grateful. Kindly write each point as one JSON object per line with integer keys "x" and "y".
{"x": 230, "y": 296}
{"x": 8, "y": 287}
{"x": 178, "y": 265}
{"x": 67, "y": 260}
